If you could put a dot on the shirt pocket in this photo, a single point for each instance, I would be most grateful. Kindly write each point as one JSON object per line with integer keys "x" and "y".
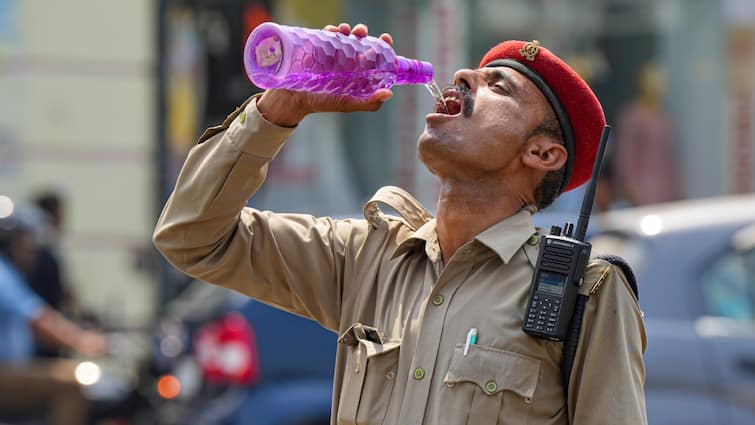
{"x": 368, "y": 379}
{"x": 500, "y": 384}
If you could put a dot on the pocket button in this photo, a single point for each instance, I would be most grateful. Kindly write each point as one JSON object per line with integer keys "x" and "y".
{"x": 491, "y": 387}
{"x": 389, "y": 376}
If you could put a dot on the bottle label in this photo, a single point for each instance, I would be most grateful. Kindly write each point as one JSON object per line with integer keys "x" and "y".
{"x": 269, "y": 51}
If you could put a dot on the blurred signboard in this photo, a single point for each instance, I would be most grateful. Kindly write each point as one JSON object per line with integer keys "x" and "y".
{"x": 201, "y": 78}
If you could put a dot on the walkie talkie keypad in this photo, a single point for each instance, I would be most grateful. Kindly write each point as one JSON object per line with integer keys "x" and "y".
{"x": 543, "y": 313}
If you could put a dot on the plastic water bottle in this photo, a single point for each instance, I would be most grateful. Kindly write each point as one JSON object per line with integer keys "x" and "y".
{"x": 302, "y": 59}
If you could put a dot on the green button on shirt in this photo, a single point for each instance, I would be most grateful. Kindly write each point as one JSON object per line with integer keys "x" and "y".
{"x": 378, "y": 283}
{"x": 419, "y": 373}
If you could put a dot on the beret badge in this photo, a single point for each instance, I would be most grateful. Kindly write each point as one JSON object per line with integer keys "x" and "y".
{"x": 530, "y": 50}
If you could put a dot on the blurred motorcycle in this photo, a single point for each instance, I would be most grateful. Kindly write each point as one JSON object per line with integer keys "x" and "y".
{"x": 191, "y": 368}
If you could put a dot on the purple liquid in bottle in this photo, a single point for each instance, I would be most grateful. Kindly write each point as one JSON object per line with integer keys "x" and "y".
{"x": 302, "y": 59}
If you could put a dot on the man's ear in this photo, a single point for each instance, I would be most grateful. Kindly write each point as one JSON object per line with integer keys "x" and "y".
{"x": 544, "y": 154}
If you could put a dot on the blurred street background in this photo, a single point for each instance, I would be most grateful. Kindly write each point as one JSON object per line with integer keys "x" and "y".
{"x": 101, "y": 99}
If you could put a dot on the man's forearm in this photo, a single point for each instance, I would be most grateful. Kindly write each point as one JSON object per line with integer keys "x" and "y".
{"x": 219, "y": 176}
{"x": 206, "y": 231}
{"x": 52, "y": 328}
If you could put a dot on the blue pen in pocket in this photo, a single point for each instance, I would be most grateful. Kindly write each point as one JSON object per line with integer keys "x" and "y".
{"x": 471, "y": 340}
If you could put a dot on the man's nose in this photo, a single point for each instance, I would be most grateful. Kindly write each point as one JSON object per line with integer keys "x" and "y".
{"x": 467, "y": 76}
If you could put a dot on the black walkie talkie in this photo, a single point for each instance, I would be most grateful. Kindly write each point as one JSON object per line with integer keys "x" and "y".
{"x": 560, "y": 267}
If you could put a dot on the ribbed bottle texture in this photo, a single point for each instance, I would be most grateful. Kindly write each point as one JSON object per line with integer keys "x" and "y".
{"x": 294, "y": 58}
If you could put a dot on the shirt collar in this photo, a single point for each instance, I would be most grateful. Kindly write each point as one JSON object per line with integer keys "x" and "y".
{"x": 424, "y": 235}
{"x": 509, "y": 234}
{"x": 504, "y": 238}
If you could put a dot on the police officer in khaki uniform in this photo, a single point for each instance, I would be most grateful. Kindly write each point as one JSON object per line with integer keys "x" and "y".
{"x": 404, "y": 291}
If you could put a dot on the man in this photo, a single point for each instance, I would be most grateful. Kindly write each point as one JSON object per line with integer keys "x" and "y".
{"x": 404, "y": 292}
{"x": 29, "y": 385}
{"x": 46, "y": 278}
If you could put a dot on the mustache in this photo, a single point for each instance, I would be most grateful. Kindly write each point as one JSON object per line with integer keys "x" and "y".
{"x": 466, "y": 95}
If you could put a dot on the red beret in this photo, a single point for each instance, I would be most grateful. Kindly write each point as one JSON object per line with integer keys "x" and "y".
{"x": 576, "y": 106}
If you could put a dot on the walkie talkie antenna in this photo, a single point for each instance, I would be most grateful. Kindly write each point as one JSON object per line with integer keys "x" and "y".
{"x": 587, "y": 201}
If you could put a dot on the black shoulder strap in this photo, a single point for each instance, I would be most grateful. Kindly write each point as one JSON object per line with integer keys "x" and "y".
{"x": 575, "y": 325}
{"x": 625, "y": 268}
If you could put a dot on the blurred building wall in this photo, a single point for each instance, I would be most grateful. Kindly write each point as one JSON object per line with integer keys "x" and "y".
{"x": 77, "y": 114}
{"x": 693, "y": 53}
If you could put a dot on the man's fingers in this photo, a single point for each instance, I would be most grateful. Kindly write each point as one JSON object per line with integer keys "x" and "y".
{"x": 381, "y": 95}
{"x": 344, "y": 28}
{"x": 387, "y": 38}
{"x": 355, "y": 104}
{"x": 360, "y": 30}
{"x": 372, "y": 103}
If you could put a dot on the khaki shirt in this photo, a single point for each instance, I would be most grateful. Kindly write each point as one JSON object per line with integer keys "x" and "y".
{"x": 403, "y": 316}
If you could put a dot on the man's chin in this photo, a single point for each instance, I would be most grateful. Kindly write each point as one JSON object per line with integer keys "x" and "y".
{"x": 431, "y": 151}
{"x": 423, "y": 145}
{"x": 426, "y": 141}
{"x": 433, "y": 131}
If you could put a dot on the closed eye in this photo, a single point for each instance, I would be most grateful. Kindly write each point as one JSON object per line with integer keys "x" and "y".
{"x": 501, "y": 81}
{"x": 500, "y": 87}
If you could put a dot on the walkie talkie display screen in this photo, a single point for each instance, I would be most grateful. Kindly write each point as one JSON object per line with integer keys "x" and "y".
{"x": 551, "y": 283}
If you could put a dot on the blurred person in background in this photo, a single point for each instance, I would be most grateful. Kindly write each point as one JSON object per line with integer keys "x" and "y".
{"x": 46, "y": 276}
{"x": 608, "y": 193}
{"x": 29, "y": 385}
{"x": 404, "y": 293}
{"x": 646, "y": 171}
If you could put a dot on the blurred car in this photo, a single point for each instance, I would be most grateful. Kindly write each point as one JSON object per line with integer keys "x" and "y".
{"x": 296, "y": 361}
{"x": 695, "y": 264}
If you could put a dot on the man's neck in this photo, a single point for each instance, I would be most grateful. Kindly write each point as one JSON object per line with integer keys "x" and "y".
{"x": 466, "y": 209}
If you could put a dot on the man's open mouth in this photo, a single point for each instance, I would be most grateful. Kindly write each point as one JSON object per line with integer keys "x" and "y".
{"x": 454, "y": 100}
